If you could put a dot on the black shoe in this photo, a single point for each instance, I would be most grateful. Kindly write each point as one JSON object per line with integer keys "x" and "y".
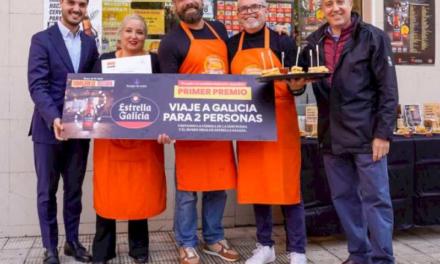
{"x": 51, "y": 257}
{"x": 139, "y": 259}
{"x": 76, "y": 250}
{"x": 349, "y": 261}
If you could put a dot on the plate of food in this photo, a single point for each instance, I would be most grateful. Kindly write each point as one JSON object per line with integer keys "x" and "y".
{"x": 422, "y": 130}
{"x": 295, "y": 72}
{"x": 403, "y": 131}
{"x": 436, "y": 130}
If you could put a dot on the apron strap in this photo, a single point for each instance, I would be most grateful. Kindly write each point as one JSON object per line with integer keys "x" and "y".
{"x": 191, "y": 36}
{"x": 213, "y": 30}
{"x": 240, "y": 44}
{"x": 187, "y": 31}
{"x": 266, "y": 38}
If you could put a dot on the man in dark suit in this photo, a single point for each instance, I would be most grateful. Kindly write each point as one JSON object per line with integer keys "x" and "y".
{"x": 55, "y": 52}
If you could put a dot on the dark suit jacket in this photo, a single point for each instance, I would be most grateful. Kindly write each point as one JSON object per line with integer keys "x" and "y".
{"x": 48, "y": 66}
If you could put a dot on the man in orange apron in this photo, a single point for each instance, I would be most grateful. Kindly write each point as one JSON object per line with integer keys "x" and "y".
{"x": 276, "y": 179}
{"x": 205, "y": 166}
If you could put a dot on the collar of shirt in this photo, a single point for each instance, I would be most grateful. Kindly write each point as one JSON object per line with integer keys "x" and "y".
{"x": 344, "y": 32}
{"x": 65, "y": 32}
{"x": 332, "y": 35}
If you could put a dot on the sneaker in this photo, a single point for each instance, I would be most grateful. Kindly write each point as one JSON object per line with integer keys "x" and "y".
{"x": 223, "y": 250}
{"x": 188, "y": 255}
{"x": 297, "y": 258}
{"x": 262, "y": 255}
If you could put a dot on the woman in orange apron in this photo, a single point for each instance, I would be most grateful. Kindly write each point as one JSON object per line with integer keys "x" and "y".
{"x": 129, "y": 178}
{"x": 205, "y": 166}
{"x": 269, "y": 172}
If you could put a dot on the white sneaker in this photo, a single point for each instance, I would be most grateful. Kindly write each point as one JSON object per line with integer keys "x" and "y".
{"x": 262, "y": 255}
{"x": 297, "y": 258}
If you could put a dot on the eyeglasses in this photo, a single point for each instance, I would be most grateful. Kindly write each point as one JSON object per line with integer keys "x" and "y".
{"x": 250, "y": 9}
{"x": 330, "y": 4}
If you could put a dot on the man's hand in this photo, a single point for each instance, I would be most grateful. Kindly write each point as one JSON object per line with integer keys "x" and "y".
{"x": 381, "y": 147}
{"x": 58, "y": 128}
{"x": 165, "y": 139}
{"x": 297, "y": 84}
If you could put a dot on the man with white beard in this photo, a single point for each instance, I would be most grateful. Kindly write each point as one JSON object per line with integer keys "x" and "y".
{"x": 269, "y": 172}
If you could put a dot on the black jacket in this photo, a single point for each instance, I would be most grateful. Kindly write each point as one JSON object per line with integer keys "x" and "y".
{"x": 361, "y": 102}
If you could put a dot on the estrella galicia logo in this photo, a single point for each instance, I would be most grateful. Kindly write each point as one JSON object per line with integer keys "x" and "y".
{"x": 135, "y": 112}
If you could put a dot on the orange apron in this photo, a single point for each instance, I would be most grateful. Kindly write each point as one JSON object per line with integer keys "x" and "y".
{"x": 128, "y": 179}
{"x": 269, "y": 172}
{"x": 205, "y": 165}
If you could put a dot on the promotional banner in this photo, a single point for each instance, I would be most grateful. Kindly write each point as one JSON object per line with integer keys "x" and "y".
{"x": 410, "y": 24}
{"x": 142, "y": 106}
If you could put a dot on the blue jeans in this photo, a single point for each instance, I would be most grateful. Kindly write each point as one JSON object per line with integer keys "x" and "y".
{"x": 185, "y": 217}
{"x": 294, "y": 226}
{"x": 361, "y": 196}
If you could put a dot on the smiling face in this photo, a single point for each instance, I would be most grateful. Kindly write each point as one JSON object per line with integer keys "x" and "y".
{"x": 132, "y": 36}
{"x": 337, "y": 12}
{"x": 252, "y": 14}
{"x": 189, "y": 11}
{"x": 73, "y": 12}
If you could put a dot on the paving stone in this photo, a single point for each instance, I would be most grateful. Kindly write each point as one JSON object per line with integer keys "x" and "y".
{"x": 420, "y": 245}
{"x": 418, "y": 259}
{"x": 436, "y": 256}
{"x": 2, "y": 242}
{"x": 19, "y": 243}
{"x": 164, "y": 256}
{"x": 13, "y": 256}
{"x": 240, "y": 233}
{"x": 36, "y": 253}
{"x": 160, "y": 237}
{"x": 163, "y": 246}
{"x": 402, "y": 250}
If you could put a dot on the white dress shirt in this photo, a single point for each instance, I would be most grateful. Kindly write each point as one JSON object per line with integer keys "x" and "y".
{"x": 73, "y": 44}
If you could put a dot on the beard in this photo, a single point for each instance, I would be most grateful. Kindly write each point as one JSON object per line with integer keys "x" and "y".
{"x": 191, "y": 16}
{"x": 66, "y": 16}
{"x": 252, "y": 24}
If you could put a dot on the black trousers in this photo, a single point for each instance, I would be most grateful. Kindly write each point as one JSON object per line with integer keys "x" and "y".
{"x": 104, "y": 243}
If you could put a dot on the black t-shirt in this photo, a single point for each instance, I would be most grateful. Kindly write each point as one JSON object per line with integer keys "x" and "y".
{"x": 175, "y": 45}
{"x": 278, "y": 43}
{"x": 97, "y": 68}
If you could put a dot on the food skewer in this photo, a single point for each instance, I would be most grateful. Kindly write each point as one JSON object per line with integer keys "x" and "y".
{"x": 317, "y": 55}
{"x": 282, "y": 59}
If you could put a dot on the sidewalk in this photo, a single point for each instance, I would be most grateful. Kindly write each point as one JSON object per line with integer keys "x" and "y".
{"x": 418, "y": 245}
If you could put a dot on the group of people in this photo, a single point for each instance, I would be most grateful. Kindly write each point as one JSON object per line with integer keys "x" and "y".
{"x": 357, "y": 108}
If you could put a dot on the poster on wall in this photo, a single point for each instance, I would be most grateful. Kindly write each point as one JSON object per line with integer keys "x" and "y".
{"x": 410, "y": 24}
{"x": 311, "y": 17}
{"x": 91, "y": 25}
{"x": 113, "y": 12}
{"x": 208, "y": 9}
